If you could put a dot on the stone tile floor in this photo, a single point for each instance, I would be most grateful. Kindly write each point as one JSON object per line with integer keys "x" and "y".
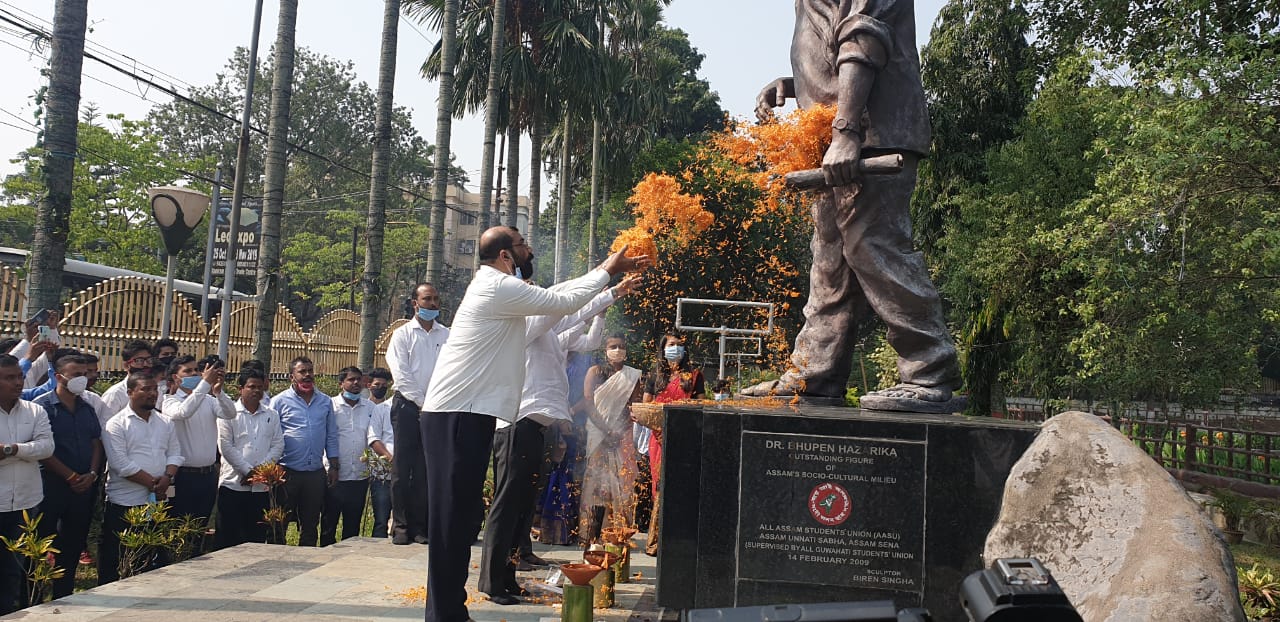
{"x": 358, "y": 579}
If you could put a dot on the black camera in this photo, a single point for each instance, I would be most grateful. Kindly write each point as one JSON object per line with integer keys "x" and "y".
{"x": 1015, "y": 589}
{"x": 1012, "y": 590}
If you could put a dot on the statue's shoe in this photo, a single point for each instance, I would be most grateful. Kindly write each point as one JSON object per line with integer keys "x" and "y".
{"x": 783, "y": 389}
{"x": 914, "y": 398}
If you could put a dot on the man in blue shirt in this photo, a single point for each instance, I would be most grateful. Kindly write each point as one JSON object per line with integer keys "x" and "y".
{"x": 71, "y": 473}
{"x": 310, "y": 433}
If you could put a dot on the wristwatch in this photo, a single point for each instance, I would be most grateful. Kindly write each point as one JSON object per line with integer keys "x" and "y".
{"x": 841, "y": 124}
{"x": 10, "y": 450}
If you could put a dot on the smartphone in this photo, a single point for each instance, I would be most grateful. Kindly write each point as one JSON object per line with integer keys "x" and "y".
{"x": 40, "y": 317}
{"x": 44, "y": 333}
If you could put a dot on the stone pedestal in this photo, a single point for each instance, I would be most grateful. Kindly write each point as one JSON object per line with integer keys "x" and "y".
{"x": 823, "y": 504}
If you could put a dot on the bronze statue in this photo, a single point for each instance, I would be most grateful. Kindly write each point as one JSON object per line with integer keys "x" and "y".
{"x": 861, "y": 58}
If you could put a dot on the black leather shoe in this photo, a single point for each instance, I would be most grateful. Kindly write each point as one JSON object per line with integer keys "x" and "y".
{"x": 504, "y": 599}
{"x": 524, "y": 566}
{"x": 535, "y": 561}
{"x": 420, "y": 539}
{"x": 401, "y": 539}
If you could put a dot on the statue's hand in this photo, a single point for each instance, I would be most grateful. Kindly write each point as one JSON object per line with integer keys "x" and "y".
{"x": 840, "y": 163}
{"x": 774, "y": 95}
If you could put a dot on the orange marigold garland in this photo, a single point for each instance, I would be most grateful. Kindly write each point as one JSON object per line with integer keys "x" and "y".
{"x": 741, "y": 171}
{"x": 794, "y": 142}
{"x": 662, "y": 208}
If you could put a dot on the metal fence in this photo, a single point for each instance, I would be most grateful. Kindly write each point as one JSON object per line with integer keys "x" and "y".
{"x": 105, "y": 316}
{"x": 1247, "y": 455}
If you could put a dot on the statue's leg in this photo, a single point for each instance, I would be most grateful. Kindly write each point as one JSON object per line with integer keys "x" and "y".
{"x": 893, "y": 275}
{"x": 822, "y": 355}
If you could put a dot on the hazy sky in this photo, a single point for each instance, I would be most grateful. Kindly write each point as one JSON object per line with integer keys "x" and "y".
{"x": 745, "y": 42}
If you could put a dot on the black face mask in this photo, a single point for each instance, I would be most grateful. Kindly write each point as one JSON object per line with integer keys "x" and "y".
{"x": 526, "y": 268}
{"x": 379, "y": 392}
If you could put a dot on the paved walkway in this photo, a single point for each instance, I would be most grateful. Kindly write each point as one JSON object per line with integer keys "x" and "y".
{"x": 358, "y": 579}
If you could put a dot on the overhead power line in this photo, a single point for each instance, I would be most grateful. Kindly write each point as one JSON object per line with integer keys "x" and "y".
{"x": 8, "y": 17}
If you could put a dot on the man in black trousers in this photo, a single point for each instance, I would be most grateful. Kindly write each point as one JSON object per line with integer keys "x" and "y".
{"x": 479, "y": 377}
{"x": 411, "y": 357}
{"x": 71, "y": 473}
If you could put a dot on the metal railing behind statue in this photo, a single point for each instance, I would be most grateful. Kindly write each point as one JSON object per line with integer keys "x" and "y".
{"x": 726, "y": 333}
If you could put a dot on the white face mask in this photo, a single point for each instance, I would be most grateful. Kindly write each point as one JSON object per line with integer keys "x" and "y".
{"x": 616, "y": 355}
{"x": 78, "y": 384}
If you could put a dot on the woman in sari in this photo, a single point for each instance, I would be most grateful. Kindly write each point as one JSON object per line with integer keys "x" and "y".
{"x": 610, "y": 479}
{"x": 673, "y": 379}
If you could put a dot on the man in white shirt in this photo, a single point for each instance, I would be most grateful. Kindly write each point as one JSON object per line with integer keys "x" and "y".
{"x": 142, "y": 460}
{"x": 345, "y": 499}
{"x": 411, "y": 357}
{"x": 25, "y": 439}
{"x": 479, "y": 377}
{"x": 518, "y": 449}
{"x": 137, "y": 358}
{"x": 251, "y": 439}
{"x": 194, "y": 408}
{"x": 381, "y": 442}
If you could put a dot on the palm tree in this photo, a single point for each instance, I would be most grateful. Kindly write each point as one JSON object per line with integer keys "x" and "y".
{"x": 371, "y": 283}
{"x": 61, "y": 122}
{"x": 625, "y": 25}
{"x": 444, "y": 127}
{"x": 273, "y": 186}
{"x": 493, "y": 94}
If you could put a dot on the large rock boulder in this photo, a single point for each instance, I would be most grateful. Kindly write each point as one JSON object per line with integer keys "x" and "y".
{"x": 1118, "y": 533}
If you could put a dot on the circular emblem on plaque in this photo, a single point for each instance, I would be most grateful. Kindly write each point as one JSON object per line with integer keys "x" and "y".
{"x": 829, "y": 504}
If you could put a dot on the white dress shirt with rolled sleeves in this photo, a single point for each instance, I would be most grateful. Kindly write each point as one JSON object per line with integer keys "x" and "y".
{"x": 481, "y": 367}
{"x": 195, "y": 418}
{"x": 27, "y": 426}
{"x": 411, "y": 357}
{"x": 380, "y": 427}
{"x": 248, "y": 440}
{"x": 133, "y": 444}
{"x": 353, "y": 436}
{"x": 545, "y": 396}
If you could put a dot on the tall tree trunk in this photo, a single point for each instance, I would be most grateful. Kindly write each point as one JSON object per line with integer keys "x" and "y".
{"x": 593, "y": 244}
{"x": 562, "y": 210}
{"x": 444, "y": 126}
{"x": 513, "y": 171}
{"x": 380, "y": 170}
{"x": 61, "y": 119}
{"x": 535, "y": 175}
{"x": 492, "y": 97}
{"x": 273, "y": 187}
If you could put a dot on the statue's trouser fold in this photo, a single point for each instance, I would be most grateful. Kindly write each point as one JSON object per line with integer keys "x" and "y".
{"x": 864, "y": 261}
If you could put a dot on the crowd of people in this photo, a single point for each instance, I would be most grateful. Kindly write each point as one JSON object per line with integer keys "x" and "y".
{"x": 176, "y": 429}
{"x": 523, "y": 380}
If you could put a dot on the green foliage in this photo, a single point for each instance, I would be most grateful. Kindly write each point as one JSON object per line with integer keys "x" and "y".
{"x": 741, "y": 256}
{"x": 332, "y": 114}
{"x": 1263, "y": 518}
{"x": 36, "y": 550}
{"x": 1259, "y": 590}
{"x": 153, "y": 534}
{"x": 110, "y": 216}
{"x": 1234, "y": 507}
{"x": 1118, "y": 239}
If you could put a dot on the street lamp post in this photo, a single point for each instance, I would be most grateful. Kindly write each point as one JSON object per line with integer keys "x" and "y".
{"x": 177, "y": 211}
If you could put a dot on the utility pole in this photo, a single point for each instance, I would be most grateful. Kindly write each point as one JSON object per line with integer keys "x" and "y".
{"x": 237, "y": 191}
{"x": 355, "y": 281}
